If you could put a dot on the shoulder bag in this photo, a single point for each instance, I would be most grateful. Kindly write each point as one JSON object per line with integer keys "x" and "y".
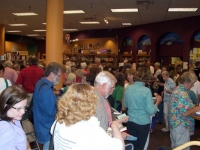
{"x": 51, "y": 144}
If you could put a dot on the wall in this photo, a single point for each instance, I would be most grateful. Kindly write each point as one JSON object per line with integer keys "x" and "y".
{"x": 19, "y": 46}
{"x": 105, "y": 43}
{"x": 184, "y": 27}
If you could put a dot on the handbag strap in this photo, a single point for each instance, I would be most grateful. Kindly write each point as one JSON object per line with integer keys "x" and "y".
{"x": 53, "y": 132}
{"x": 6, "y": 83}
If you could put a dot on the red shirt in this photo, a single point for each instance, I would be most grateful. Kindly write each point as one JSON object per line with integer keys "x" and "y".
{"x": 28, "y": 77}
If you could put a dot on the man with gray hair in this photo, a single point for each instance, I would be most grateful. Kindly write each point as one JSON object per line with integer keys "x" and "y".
{"x": 10, "y": 73}
{"x": 104, "y": 85}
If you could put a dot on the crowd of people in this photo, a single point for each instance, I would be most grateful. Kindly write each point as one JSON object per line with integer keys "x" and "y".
{"x": 79, "y": 114}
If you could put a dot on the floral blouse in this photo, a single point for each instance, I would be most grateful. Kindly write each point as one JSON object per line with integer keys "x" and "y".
{"x": 180, "y": 103}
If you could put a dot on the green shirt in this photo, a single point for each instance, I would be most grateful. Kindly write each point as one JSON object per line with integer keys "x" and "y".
{"x": 117, "y": 95}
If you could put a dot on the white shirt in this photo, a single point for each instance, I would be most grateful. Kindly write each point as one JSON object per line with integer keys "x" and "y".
{"x": 152, "y": 69}
{"x": 3, "y": 84}
{"x": 196, "y": 88}
{"x": 84, "y": 135}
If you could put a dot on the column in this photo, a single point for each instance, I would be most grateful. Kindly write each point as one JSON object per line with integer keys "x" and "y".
{"x": 2, "y": 39}
{"x": 54, "y": 32}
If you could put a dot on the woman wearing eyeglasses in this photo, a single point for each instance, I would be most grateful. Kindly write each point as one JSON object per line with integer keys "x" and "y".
{"x": 13, "y": 101}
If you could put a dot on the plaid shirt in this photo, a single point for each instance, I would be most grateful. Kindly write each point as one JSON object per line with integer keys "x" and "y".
{"x": 28, "y": 77}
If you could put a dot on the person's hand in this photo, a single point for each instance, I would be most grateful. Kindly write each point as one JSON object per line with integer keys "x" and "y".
{"x": 123, "y": 120}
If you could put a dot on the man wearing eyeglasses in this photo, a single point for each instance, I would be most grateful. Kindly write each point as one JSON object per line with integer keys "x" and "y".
{"x": 44, "y": 104}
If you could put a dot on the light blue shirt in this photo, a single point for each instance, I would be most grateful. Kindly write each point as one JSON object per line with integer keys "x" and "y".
{"x": 138, "y": 100}
{"x": 12, "y": 136}
{"x": 170, "y": 85}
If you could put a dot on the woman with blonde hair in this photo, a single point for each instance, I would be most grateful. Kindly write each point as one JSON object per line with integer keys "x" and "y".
{"x": 76, "y": 127}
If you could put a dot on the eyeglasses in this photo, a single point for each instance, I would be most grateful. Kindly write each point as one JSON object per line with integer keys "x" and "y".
{"x": 18, "y": 109}
{"x": 59, "y": 75}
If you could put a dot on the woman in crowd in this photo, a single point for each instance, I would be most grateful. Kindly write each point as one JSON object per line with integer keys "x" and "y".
{"x": 77, "y": 128}
{"x": 138, "y": 100}
{"x": 169, "y": 86}
{"x": 181, "y": 109}
{"x": 130, "y": 80}
{"x": 13, "y": 101}
{"x": 118, "y": 91}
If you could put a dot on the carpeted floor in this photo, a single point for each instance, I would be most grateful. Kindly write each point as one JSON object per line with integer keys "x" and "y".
{"x": 159, "y": 138}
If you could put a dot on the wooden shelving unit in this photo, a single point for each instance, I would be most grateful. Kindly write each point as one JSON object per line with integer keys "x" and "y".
{"x": 141, "y": 58}
{"x": 90, "y": 57}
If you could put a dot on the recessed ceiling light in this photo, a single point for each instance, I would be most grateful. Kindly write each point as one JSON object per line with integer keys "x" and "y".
{"x": 25, "y": 14}
{"x": 17, "y": 24}
{"x": 73, "y": 12}
{"x": 39, "y": 30}
{"x": 182, "y": 9}
{"x": 126, "y": 24}
{"x": 32, "y": 34}
{"x": 44, "y": 23}
{"x": 69, "y": 29}
{"x": 92, "y": 22}
{"x": 14, "y": 31}
{"x": 125, "y": 10}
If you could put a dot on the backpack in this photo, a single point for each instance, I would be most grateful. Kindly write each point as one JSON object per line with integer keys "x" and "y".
{"x": 30, "y": 108}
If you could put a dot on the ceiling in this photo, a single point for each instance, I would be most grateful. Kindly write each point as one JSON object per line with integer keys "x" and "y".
{"x": 95, "y": 10}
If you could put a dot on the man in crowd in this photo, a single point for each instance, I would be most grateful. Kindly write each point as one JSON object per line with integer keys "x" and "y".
{"x": 44, "y": 104}
{"x": 29, "y": 76}
{"x": 104, "y": 85}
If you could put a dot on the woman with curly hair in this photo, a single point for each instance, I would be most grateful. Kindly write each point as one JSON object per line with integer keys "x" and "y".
{"x": 76, "y": 127}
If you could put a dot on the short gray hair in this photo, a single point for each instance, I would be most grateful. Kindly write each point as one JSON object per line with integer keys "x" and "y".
{"x": 104, "y": 77}
{"x": 188, "y": 77}
{"x": 83, "y": 65}
{"x": 68, "y": 69}
{"x": 8, "y": 63}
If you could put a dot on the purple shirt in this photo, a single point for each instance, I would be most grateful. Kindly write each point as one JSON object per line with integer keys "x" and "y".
{"x": 12, "y": 136}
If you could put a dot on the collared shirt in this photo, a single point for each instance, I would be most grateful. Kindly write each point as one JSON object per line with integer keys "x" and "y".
{"x": 138, "y": 100}
{"x": 101, "y": 112}
{"x": 180, "y": 103}
{"x": 12, "y": 136}
{"x": 44, "y": 109}
{"x": 170, "y": 85}
{"x": 28, "y": 77}
{"x": 10, "y": 74}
